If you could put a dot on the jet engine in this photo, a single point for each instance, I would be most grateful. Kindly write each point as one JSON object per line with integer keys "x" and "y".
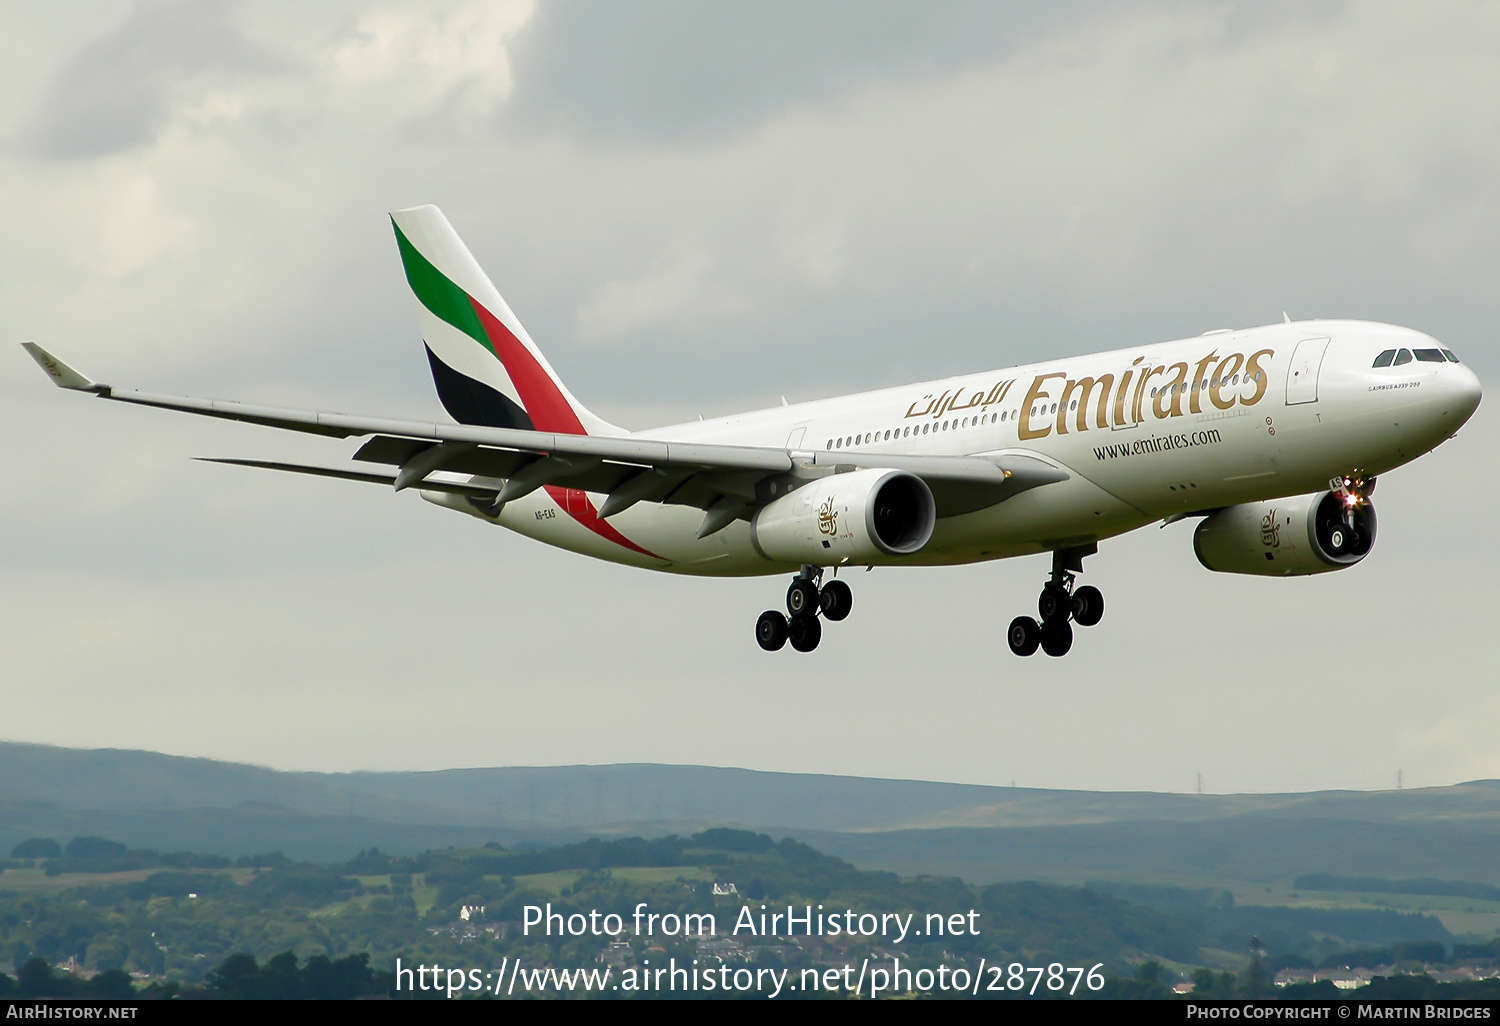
{"x": 858, "y": 516}
{"x": 1302, "y": 534}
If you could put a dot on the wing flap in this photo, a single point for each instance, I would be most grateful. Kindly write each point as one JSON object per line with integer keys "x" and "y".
{"x": 465, "y": 488}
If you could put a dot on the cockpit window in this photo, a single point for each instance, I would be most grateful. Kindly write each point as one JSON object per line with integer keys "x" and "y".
{"x": 1428, "y": 355}
{"x": 1449, "y": 354}
{"x": 1384, "y": 359}
{"x": 1404, "y": 356}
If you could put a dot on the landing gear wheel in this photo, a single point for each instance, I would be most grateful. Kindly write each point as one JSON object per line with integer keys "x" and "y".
{"x": 1024, "y": 636}
{"x": 802, "y": 597}
{"x": 770, "y": 630}
{"x": 1057, "y": 637}
{"x": 836, "y": 599}
{"x": 805, "y": 632}
{"x": 1088, "y": 606}
{"x": 1055, "y": 603}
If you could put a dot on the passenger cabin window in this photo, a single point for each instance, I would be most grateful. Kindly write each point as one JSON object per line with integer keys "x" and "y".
{"x": 1384, "y": 359}
{"x": 1404, "y": 356}
{"x": 1428, "y": 355}
{"x": 1449, "y": 354}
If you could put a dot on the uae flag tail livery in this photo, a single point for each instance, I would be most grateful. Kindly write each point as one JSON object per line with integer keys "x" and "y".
{"x": 486, "y": 368}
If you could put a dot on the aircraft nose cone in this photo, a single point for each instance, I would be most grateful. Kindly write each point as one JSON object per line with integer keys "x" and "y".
{"x": 1466, "y": 392}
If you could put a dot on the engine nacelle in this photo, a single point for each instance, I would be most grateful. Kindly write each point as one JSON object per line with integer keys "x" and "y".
{"x": 859, "y": 516}
{"x": 1303, "y": 534}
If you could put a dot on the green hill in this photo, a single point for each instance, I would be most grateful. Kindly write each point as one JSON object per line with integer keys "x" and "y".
{"x": 984, "y": 834}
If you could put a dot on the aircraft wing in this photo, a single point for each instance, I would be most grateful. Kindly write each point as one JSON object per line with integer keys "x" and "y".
{"x": 728, "y": 481}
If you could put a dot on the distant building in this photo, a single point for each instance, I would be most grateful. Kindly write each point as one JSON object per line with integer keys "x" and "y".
{"x": 723, "y": 889}
{"x": 1344, "y": 979}
{"x": 725, "y": 949}
{"x": 615, "y": 954}
{"x": 1465, "y": 974}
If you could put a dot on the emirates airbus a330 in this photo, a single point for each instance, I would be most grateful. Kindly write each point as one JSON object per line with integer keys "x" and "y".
{"x": 1272, "y": 435}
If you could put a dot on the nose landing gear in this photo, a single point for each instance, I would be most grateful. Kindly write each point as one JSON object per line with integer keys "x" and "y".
{"x": 1059, "y": 603}
{"x": 804, "y": 601}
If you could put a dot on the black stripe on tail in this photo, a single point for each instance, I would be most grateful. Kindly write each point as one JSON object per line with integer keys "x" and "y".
{"x": 473, "y": 402}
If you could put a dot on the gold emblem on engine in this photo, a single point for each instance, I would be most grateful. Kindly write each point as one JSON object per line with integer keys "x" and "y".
{"x": 828, "y": 518}
{"x": 1270, "y": 530}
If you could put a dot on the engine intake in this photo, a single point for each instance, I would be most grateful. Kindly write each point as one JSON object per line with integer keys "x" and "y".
{"x": 858, "y": 516}
{"x": 1303, "y": 534}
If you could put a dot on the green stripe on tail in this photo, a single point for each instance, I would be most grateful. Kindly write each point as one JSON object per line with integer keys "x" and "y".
{"x": 433, "y": 289}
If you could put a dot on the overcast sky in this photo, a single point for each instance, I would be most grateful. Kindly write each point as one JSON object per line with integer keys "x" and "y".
{"x": 698, "y": 207}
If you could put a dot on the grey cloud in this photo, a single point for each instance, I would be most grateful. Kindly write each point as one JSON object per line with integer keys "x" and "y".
{"x": 677, "y": 70}
{"x": 115, "y": 93}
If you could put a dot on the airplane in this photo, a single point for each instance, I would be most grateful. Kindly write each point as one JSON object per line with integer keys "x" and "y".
{"x": 1272, "y": 437}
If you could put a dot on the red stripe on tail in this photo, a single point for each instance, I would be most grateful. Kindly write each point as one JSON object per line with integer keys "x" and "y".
{"x": 549, "y": 410}
{"x": 545, "y": 404}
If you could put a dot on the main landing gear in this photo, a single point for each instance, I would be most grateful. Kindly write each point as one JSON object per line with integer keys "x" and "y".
{"x": 804, "y": 601}
{"x": 1059, "y": 603}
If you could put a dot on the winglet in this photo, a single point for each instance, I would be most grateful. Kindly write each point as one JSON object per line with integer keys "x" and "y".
{"x": 61, "y": 374}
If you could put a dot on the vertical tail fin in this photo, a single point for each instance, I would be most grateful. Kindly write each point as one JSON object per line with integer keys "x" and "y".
{"x": 486, "y": 368}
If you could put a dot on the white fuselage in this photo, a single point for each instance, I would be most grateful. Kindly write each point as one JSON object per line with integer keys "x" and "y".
{"x": 1143, "y": 433}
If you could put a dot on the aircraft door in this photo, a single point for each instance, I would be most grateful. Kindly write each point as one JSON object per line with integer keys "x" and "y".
{"x": 794, "y": 440}
{"x": 1302, "y": 375}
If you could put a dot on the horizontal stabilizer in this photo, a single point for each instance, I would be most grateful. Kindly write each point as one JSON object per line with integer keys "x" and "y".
{"x": 61, "y": 374}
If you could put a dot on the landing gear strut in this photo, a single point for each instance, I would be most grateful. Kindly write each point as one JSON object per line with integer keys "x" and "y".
{"x": 804, "y": 601}
{"x": 1059, "y": 603}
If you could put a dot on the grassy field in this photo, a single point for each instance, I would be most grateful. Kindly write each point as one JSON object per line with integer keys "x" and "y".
{"x": 554, "y": 883}
{"x": 549, "y": 883}
{"x": 662, "y": 874}
{"x": 36, "y": 881}
{"x": 1459, "y": 915}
